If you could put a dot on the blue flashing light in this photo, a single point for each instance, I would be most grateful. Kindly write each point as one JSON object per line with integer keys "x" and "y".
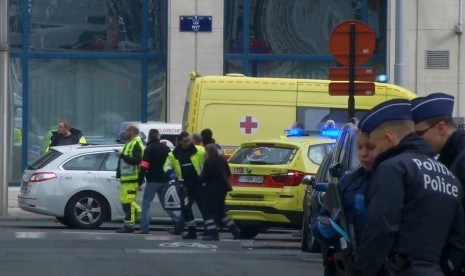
{"x": 382, "y": 78}
{"x": 295, "y": 132}
{"x": 330, "y": 133}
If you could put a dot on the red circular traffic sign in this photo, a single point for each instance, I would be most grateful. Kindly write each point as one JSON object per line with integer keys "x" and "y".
{"x": 339, "y": 42}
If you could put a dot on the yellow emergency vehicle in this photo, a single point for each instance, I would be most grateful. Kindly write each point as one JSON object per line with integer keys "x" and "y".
{"x": 267, "y": 180}
{"x": 239, "y": 109}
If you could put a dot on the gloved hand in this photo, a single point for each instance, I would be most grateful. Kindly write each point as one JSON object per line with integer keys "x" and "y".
{"x": 171, "y": 175}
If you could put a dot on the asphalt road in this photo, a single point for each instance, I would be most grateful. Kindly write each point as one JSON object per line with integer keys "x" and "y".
{"x": 38, "y": 245}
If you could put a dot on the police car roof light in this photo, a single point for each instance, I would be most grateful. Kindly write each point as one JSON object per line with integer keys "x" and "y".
{"x": 296, "y": 132}
{"x": 330, "y": 133}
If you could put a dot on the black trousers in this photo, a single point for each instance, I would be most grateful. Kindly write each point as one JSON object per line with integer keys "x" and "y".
{"x": 194, "y": 194}
{"x": 214, "y": 207}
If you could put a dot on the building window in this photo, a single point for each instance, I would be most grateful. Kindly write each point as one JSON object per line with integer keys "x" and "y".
{"x": 285, "y": 38}
{"x": 94, "y": 63}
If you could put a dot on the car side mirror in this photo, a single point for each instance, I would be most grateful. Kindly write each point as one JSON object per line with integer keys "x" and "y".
{"x": 309, "y": 180}
{"x": 335, "y": 170}
{"x": 321, "y": 187}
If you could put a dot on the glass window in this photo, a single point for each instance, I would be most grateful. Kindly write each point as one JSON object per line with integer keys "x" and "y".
{"x": 292, "y": 69}
{"x": 89, "y": 162}
{"x": 106, "y": 26}
{"x": 156, "y": 95}
{"x": 322, "y": 174}
{"x": 302, "y": 69}
{"x": 15, "y": 24}
{"x": 158, "y": 25}
{"x": 316, "y": 118}
{"x": 110, "y": 163}
{"x": 45, "y": 159}
{"x": 316, "y": 153}
{"x": 96, "y": 96}
{"x": 263, "y": 155}
{"x": 295, "y": 27}
{"x": 16, "y": 88}
{"x": 233, "y": 27}
{"x": 233, "y": 66}
{"x": 303, "y": 27}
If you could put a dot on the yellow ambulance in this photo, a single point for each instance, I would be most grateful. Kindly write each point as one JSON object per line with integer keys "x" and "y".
{"x": 239, "y": 109}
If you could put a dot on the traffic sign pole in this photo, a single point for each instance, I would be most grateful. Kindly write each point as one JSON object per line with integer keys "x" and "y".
{"x": 351, "y": 100}
{"x": 351, "y": 43}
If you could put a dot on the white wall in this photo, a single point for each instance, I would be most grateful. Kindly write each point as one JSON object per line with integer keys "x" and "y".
{"x": 188, "y": 51}
{"x": 429, "y": 25}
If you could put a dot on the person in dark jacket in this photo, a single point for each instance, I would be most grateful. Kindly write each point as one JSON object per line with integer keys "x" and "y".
{"x": 151, "y": 169}
{"x": 66, "y": 135}
{"x": 433, "y": 122}
{"x": 413, "y": 202}
{"x": 207, "y": 138}
{"x": 352, "y": 188}
{"x": 215, "y": 178}
{"x": 184, "y": 164}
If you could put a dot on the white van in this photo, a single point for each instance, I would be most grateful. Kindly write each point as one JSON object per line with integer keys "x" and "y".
{"x": 168, "y": 131}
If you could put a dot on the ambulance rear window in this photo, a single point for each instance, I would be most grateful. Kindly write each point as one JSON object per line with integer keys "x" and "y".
{"x": 263, "y": 155}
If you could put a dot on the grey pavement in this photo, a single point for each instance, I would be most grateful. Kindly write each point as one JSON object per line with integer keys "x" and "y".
{"x": 270, "y": 240}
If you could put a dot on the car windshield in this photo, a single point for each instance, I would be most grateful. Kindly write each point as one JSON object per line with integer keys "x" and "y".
{"x": 263, "y": 155}
{"x": 44, "y": 160}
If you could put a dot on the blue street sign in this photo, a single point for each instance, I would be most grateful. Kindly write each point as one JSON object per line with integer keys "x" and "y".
{"x": 194, "y": 23}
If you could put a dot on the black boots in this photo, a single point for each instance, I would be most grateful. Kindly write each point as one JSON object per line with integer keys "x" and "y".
{"x": 191, "y": 233}
{"x": 235, "y": 231}
{"x": 125, "y": 230}
{"x": 212, "y": 235}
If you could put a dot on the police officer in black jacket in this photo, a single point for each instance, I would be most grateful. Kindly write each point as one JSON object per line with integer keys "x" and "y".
{"x": 414, "y": 209}
{"x": 433, "y": 122}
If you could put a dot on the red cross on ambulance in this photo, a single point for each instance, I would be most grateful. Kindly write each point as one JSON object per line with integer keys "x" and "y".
{"x": 248, "y": 124}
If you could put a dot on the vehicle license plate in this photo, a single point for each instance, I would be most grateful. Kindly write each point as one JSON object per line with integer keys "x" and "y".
{"x": 250, "y": 179}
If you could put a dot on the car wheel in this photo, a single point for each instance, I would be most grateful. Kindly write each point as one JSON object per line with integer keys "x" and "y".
{"x": 86, "y": 210}
{"x": 249, "y": 231}
{"x": 63, "y": 220}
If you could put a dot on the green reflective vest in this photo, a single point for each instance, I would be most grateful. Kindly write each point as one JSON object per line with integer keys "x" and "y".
{"x": 130, "y": 172}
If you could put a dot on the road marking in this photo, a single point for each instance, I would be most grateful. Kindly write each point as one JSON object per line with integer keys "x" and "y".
{"x": 160, "y": 238}
{"x": 188, "y": 244}
{"x": 169, "y": 251}
{"x": 30, "y": 235}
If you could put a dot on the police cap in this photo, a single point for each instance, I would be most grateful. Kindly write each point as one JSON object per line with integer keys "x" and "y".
{"x": 433, "y": 105}
{"x": 391, "y": 110}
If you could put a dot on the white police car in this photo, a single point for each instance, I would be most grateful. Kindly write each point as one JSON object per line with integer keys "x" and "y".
{"x": 77, "y": 184}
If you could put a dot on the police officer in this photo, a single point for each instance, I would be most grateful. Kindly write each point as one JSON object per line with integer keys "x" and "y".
{"x": 433, "y": 122}
{"x": 185, "y": 163}
{"x": 128, "y": 174}
{"x": 413, "y": 201}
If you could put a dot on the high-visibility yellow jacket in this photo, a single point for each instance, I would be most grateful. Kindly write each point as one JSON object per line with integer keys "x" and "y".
{"x": 197, "y": 159}
{"x": 128, "y": 165}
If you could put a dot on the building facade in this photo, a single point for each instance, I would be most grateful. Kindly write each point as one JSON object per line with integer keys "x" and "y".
{"x": 98, "y": 63}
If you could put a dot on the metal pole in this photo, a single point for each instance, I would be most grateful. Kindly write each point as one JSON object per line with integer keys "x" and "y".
{"x": 399, "y": 64}
{"x": 351, "y": 100}
{"x": 4, "y": 153}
